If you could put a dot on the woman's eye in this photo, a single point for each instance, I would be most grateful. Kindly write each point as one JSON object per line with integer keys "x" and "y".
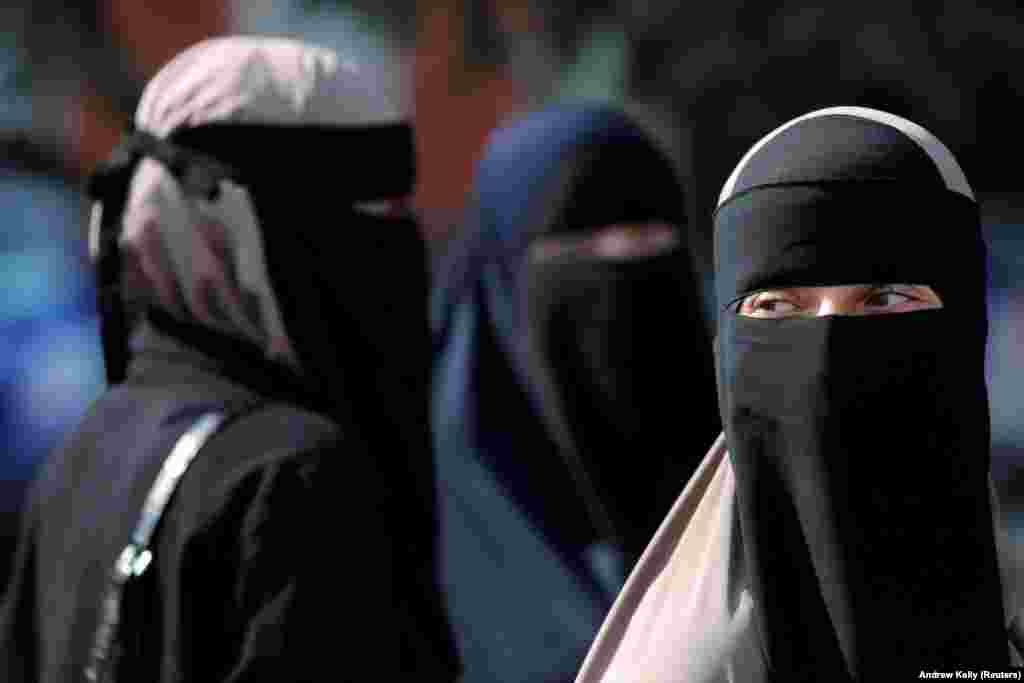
{"x": 776, "y": 306}
{"x": 761, "y": 306}
{"x": 888, "y": 297}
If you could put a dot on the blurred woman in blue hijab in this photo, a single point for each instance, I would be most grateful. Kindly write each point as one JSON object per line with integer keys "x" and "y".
{"x": 570, "y": 338}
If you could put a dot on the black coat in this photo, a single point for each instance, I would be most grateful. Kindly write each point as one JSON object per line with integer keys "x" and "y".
{"x": 274, "y": 561}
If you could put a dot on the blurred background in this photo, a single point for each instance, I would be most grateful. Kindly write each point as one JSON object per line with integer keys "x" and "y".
{"x": 707, "y": 78}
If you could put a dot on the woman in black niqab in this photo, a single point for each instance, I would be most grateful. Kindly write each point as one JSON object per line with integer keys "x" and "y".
{"x": 564, "y": 385}
{"x": 848, "y": 532}
{"x": 861, "y": 445}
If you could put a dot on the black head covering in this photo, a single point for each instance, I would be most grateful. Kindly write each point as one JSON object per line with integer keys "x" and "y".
{"x": 353, "y": 290}
{"x": 860, "y": 444}
{"x": 555, "y": 376}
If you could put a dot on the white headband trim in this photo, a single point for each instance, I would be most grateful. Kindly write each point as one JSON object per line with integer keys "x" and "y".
{"x": 940, "y": 155}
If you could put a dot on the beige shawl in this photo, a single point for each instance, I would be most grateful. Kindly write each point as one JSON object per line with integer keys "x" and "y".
{"x": 675, "y": 621}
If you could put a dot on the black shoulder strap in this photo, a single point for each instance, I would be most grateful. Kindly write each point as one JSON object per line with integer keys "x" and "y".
{"x": 136, "y": 556}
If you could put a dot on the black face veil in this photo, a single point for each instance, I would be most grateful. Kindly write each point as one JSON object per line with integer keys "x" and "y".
{"x": 860, "y": 444}
{"x": 609, "y": 337}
